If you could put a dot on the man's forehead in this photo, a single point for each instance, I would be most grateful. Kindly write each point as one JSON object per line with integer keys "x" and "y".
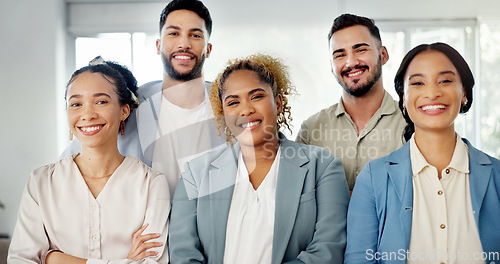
{"x": 185, "y": 19}
{"x": 351, "y": 36}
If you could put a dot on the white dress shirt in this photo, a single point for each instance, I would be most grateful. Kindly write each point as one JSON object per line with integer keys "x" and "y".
{"x": 443, "y": 226}
{"x": 250, "y": 223}
{"x": 58, "y": 212}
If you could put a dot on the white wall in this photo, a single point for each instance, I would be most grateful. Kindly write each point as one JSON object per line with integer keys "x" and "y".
{"x": 31, "y": 68}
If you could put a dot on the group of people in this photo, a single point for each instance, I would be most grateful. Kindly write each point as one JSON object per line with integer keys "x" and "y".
{"x": 187, "y": 171}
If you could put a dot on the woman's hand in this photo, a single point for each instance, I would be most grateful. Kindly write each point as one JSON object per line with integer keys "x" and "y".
{"x": 139, "y": 245}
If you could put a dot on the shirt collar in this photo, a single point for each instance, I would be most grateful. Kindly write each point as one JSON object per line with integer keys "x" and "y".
{"x": 387, "y": 107}
{"x": 459, "y": 160}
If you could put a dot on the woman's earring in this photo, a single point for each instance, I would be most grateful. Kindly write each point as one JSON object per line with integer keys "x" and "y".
{"x": 465, "y": 101}
{"x": 70, "y": 135}
{"x": 227, "y": 131}
{"x": 122, "y": 128}
{"x": 404, "y": 111}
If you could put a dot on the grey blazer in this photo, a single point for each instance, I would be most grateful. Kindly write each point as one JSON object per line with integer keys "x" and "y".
{"x": 310, "y": 215}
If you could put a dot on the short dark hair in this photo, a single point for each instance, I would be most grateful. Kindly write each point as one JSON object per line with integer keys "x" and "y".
{"x": 192, "y": 5}
{"x": 349, "y": 20}
{"x": 119, "y": 75}
{"x": 458, "y": 61}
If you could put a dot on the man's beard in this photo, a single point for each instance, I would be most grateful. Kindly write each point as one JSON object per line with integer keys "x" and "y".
{"x": 361, "y": 90}
{"x": 198, "y": 67}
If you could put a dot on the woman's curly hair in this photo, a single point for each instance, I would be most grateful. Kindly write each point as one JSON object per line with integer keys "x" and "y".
{"x": 271, "y": 71}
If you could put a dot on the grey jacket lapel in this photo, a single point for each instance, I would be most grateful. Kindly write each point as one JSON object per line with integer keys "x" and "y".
{"x": 291, "y": 177}
{"x": 221, "y": 187}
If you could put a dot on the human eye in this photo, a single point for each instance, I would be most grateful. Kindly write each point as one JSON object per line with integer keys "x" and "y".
{"x": 172, "y": 33}
{"x": 257, "y": 96}
{"x": 416, "y": 83}
{"x": 101, "y": 102}
{"x": 338, "y": 56}
{"x": 197, "y": 35}
{"x": 361, "y": 50}
{"x": 73, "y": 105}
{"x": 232, "y": 103}
{"x": 446, "y": 81}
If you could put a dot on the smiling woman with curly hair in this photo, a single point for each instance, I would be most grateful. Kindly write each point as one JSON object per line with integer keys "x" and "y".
{"x": 263, "y": 199}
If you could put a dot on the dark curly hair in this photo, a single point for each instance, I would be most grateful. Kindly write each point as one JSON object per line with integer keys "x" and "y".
{"x": 455, "y": 58}
{"x": 270, "y": 70}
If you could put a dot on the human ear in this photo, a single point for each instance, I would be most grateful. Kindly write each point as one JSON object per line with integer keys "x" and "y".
{"x": 209, "y": 49}
{"x": 125, "y": 112}
{"x": 158, "y": 46}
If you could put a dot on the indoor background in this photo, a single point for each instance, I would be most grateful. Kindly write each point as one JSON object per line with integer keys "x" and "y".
{"x": 43, "y": 42}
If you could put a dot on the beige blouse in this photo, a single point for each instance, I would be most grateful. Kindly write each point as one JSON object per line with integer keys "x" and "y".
{"x": 58, "y": 211}
{"x": 443, "y": 226}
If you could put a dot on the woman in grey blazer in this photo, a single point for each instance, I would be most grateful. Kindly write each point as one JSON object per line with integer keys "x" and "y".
{"x": 262, "y": 199}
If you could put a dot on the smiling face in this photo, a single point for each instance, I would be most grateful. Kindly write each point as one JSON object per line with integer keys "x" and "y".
{"x": 250, "y": 108}
{"x": 357, "y": 59}
{"x": 184, "y": 45}
{"x": 94, "y": 111}
{"x": 433, "y": 92}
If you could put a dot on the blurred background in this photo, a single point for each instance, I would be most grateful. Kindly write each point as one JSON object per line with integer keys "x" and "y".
{"x": 43, "y": 42}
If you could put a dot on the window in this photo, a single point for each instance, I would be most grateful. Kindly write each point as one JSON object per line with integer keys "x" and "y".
{"x": 134, "y": 50}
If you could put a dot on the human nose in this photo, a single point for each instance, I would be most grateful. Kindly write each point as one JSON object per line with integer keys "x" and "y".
{"x": 246, "y": 109}
{"x": 88, "y": 113}
{"x": 184, "y": 43}
{"x": 433, "y": 91}
{"x": 351, "y": 60}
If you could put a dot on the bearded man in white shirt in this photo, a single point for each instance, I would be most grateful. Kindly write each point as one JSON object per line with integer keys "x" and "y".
{"x": 173, "y": 123}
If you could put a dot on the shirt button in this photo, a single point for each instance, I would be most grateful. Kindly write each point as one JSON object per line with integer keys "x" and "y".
{"x": 440, "y": 192}
{"x": 442, "y": 226}
{"x": 94, "y": 237}
{"x": 447, "y": 171}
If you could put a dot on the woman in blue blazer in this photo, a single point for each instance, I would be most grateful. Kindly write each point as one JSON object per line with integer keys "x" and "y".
{"x": 304, "y": 222}
{"x": 395, "y": 215}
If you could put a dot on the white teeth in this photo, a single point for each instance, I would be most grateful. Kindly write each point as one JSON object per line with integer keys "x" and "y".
{"x": 250, "y": 124}
{"x": 183, "y": 57}
{"x": 433, "y": 107}
{"x": 355, "y": 74}
{"x": 90, "y": 129}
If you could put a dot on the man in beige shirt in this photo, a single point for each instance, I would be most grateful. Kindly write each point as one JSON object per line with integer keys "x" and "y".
{"x": 366, "y": 124}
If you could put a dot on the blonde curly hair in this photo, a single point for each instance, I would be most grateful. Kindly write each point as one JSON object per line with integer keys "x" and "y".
{"x": 271, "y": 71}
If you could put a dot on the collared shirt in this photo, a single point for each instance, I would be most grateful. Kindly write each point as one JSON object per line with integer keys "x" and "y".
{"x": 59, "y": 212}
{"x": 333, "y": 129}
{"x": 443, "y": 226}
{"x": 250, "y": 223}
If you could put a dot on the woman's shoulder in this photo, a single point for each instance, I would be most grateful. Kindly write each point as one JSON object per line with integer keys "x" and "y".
{"x": 45, "y": 174}
{"x": 133, "y": 164}
{"x": 312, "y": 152}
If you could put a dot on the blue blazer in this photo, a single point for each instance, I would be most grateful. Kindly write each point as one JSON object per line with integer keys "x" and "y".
{"x": 311, "y": 207}
{"x": 380, "y": 211}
